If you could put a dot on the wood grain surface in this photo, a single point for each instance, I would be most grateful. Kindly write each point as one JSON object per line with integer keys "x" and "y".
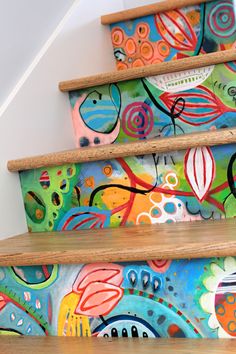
{"x": 146, "y": 10}
{"x": 199, "y": 239}
{"x": 61, "y": 345}
{"x": 149, "y": 70}
{"x": 112, "y": 151}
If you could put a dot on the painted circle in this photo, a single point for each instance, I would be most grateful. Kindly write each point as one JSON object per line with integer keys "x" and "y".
{"x": 221, "y": 20}
{"x": 134, "y": 114}
{"x": 117, "y": 36}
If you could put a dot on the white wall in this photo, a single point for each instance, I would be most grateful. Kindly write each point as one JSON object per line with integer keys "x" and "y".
{"x": 38, "y": 119}
{"x": 24, "y": 27}
{"x": 135, "y": 3}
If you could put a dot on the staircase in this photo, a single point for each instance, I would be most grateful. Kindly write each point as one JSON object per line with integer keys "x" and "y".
{"x": 133, "y": 233}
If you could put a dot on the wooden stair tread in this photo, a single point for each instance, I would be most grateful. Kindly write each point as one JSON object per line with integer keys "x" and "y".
{"x": 137, "y": 148}
{"x": 199, "y": 239}
{"x": 62, "y": 345}
{"x": 149, "y": 70}
{"x": 146, "y": 10}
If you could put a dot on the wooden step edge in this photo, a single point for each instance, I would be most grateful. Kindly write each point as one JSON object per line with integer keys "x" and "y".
{"x": 72, "y": 345}
{"x": 152, "y": 9}
{"x": 198, "y": 61}
{"x": 183, "y": 240}
{"x": 137, "y": 148}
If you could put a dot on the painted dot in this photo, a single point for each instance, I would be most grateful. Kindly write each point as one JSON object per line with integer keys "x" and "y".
{"x": 97, "y": 141}
{"x": 20, "y": 323}
{"x": 220, "y": 310}
{"x": 70, "y": 171}
{"x": 170, "y": 208}
{"x": 84, "y": 141}
{"x": 150, "y": 312}
{"x": 157, "y": 197}
{"x": 63, "y": 184}
{"x": 107, "y": 170}
{"x": 2, "y": 274}
{"x": 230, "y": 298}
{"x": 39, "y": 214}
{"x": 39, "y": 275}
{"x": 156, "y": 212}
{"x": 144, "y": 219}
{"x": 169, "y": 221}
{"x": 232, "y": 326}
{"x": 29, "y": 329}
{"x": 175, "y": 331}
{"x": 56, "y": 199}
{"x": 161, "y": 319}
{"x": 170, "y": 288}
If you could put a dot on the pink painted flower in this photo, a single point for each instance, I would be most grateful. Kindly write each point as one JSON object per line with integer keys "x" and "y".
{"x": 99, "y": 286}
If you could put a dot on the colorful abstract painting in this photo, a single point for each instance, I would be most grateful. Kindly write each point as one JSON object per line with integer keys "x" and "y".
{"x": 199, "y": 29}
{"x": 181, "y": 298}
{"x": 196, "y": 184}
{"x": 160, "y": 106}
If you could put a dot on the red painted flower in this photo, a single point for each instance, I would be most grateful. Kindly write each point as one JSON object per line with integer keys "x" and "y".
{"x": 99, "y": 286}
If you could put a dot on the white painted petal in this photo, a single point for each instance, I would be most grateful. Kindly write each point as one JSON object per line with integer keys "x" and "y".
{"x": 211, "y": 283}
{"x": 230, "y": 264}
{"x": 217, "y": 271}
{"x": 199, "y": 170}
{"x": 207, "y": 302}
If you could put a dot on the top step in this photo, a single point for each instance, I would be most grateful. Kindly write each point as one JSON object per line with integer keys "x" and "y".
{"x": 171, "y": 30}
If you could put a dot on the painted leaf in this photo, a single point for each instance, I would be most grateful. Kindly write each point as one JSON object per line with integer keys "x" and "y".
{"x": 199, "y": 168}
{"x": 105, "y": 272}
{"x": 176, "y": 30}
{"x": 196, "y": 107}
{"x": 85, "y": 218}
{"x": 98, "y": 299}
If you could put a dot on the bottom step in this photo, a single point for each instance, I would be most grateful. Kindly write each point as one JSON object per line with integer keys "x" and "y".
{"x": 49, "y": 345}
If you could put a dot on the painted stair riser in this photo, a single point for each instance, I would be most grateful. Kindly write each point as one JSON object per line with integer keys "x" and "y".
{"x": 195, "y": 184}
{"x": 181, "y": 298}
{"x": 172, "y": 35}
{"x": 159, "y": 106}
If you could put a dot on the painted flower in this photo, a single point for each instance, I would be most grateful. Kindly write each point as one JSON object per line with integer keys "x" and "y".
{"x": 99, "y": 289}
{"x": 220, "y": 299}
